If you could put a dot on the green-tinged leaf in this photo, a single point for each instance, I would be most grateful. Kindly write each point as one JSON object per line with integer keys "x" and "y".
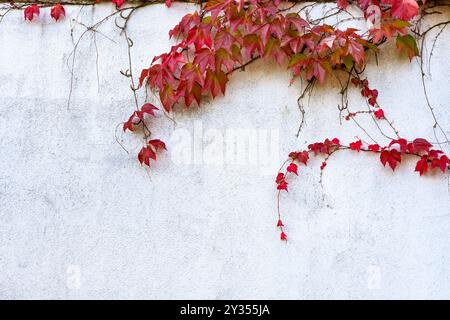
{"x": 400, "y": 24}
{"x": 407, "y": 44}
{"x": 299, "y": 57}
{"x": 348, "y": 62}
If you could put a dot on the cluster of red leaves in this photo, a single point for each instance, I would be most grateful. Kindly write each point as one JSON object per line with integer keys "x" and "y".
{"x": 371, "y": 95}
{"x": 56, "y": 12}
{"x": 391, "y": 154}
{"x": 401, "y": 9}
{"x": 137, "y": 120}
{"x": 149, "y": 151}
{"x": 228, "y": 34}
{"x": 393, "y": 17}
{"x": 429, "y": 158}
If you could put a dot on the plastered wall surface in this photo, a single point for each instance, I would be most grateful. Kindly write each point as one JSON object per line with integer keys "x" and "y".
{"x": 80, "y": 218}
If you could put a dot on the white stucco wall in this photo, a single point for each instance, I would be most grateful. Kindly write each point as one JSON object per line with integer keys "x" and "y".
{"x": 80, "y": 218}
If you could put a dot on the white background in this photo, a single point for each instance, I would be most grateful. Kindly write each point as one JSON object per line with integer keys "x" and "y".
{"x": 80, "y": 218}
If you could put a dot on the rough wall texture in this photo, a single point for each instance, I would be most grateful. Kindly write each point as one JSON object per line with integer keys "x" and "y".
{"x": 79, "y": 217}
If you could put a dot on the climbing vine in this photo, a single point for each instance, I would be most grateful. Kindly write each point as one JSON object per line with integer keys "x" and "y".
{"x": 224, "y": 36}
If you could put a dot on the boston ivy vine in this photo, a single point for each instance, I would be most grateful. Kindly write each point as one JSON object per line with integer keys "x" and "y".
{"x": 227, "y": 35}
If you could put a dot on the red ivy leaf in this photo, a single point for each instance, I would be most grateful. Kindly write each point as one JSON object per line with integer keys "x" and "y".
{"x": 421, "y": 144}
{"x": 374, "y": 93}
{"x": 379, "y": 114}
{"x": 280, "y": 178}
{"x": 356, "y": 145}
{"x": 280, "y": 223}
{"x": 292, "y": 168}
{"x": 282, "y": 185}
{"x": 405, "y": 9}
{"x": 283, "y": 236}
{"x": 118, "y": 3}
{"x": 355, "y": 81}
{"x": 216, "y": 6}
{"x": 320, "y": 69}
{"x": 129, "y": 124}
{"x": 143, "y": 76}
{"x": 134, "y": 119}
{"x": 336, "y": 142}
{"x": 374, "y": 147}
{"x": 434, "y": 153}
{"x": 149, "y": 109}
{"x": 408, "y": 45}
{"x": 216, "y": 82}
{"x": 303, "y": 157}
{"x": 342, "y": 4}
{"x": 145, "y": 155}
{"x": 401, "y": 142}
{"x": 157, "y": 144}
{"x": 167, "y": 97}
{"x": 58, "y": 11}
{"x": 441, "y": 163}
{"x": 324, "y": 147}
{"x": 168, "y": 3}
{"x": 390, "y": 156}
{"x": 293, "y": 155}
{"x": 30, "y": 11}
{"x": 422, "y": 165}
{"x": 323, "y": 165}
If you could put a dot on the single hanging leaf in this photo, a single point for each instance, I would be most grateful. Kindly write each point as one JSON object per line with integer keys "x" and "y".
{"x": 143, "y": 76}
{"x": 167, "y": 97}
{"x": 134, "y": 119}
{"x": 149, "y": 109}
{"x": 30, "y": 11}
{"x": 157, "y": 144}
{"x": 379, "y": 114}
{"x": 405, "y": 9}
{"x": 145, "y": 155}
{"x": 282, "y": 185}
{"x": 128, "y": 124}
{"x": 58, "y": 11}
{"x": 292, "y": 168}
{"x": 356, "y": 145}
{"x": 280, "y": 177}
{"x": 392, "y": 157}
{"x": 422, "y": 165}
